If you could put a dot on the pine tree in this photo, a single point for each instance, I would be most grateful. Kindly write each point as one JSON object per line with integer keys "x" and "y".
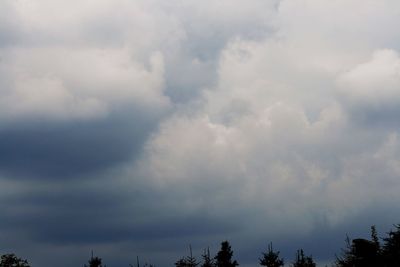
{"x": 188, "y": 261}
{"x": 191, "y": 261}
{"x": 347, "y": 257}
{"x": 224, "y": 256}
{"x": 207, "y": 260}
{"x": 302, "y": 260}
{"x": 271, "y": 258}
{"x": 361, "y": 252}
{"x": 94, "y": 262}
{"x": 391, "y": 248}
{"x": 181, "y": 262}
{"x": 374, "y": 237}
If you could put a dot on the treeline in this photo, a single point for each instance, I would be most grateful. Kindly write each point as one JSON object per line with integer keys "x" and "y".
{"x": 358, "y": 252}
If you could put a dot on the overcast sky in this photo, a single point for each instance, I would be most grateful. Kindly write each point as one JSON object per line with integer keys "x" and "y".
{"x": 138, "y": 127}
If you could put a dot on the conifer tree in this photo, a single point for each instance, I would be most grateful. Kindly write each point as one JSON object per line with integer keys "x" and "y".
{"x": 347, "y": 257}
{"x": 271, "y": 258}
{"x": 94, "y": 262}
{"x": 188, "y": 261}
{"x": 391, "y": 248}
{"x": 207, "y": 260}
{"x": 181, "y": 262}
{"x": 224, "y": 256}
{"x": 191, "y": 261}
{"x": 361, "y": 252}
{"x": 302, "y": 260}
{"x": 374, "y": 237}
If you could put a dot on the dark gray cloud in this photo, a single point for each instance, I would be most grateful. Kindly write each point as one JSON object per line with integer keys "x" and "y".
{"x": 59, "y": 150}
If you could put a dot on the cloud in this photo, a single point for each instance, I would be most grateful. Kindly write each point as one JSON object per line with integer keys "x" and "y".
{"x": 62, "y": 68}
{"x": 78, "y": 84}
{"x": 276, "y": 138}
{"x": 142, "y": 126}
{"x": 67, "y": 84}
{"x": 370, "y": 89}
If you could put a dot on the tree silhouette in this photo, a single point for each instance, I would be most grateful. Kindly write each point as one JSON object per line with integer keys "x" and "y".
{"x": 271, "y": 258}
{"x": 181, "y": 262}
{"x": 224, "y": 256}
{"x": 374, "y": 237}
{"x": 303, "y": 261}
{"x": 391, "y": 248}
{"x": 207, "y": 260}
{"x": 188, "y": 261}
{"x": 361, "y": 252}
{"x": 94, "y": 262}
{"x": 346, "y": 259}
{"x": 10, "y": 260}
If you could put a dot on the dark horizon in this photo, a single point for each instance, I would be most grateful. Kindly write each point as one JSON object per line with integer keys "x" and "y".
{"x": 375, "y": 251}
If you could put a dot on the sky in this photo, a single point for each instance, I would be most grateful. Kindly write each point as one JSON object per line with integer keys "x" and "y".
{"x": 138, "y": 127}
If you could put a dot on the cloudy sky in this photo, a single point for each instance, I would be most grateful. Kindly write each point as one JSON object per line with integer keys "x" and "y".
{"x": 138, "y": 127}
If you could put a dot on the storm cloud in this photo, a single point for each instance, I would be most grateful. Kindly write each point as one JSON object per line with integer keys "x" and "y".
{"x": 139, "y": 127}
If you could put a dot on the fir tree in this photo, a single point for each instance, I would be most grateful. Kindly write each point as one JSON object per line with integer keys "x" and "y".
{"x": 207, "y": 260}
{"x": 181, "y": 262}
{"x": 361, "y": 252}
{"x": 302, "y": 260}
{"x": 188, "y": 261}
{"x": 391, "y": 248}
{"x": 224, "y": 256}
{"x": 94, "y": 262}
{"x": 271, "y": 258}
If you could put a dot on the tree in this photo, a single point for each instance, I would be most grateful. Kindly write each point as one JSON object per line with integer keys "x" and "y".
{"x": 302, "y": 260}
{"x": 191, "y": 261}
{"x": 10, "y": 260}
{"x": 391, "y": 248}
{"x": 347, "y": 257}
{"x": 224, "y": 256}
{"x": 271, "y": 258}
{"x": 181, "y": 262}
{"x": 94, "y": 262}
{"x": 207, "y": 260}
{"x": 361, "y": 252}
{"x": 188, "y": 261}
{"x": 374, "y": 237}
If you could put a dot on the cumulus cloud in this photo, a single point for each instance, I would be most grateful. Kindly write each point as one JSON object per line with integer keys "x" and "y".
{"x": 78, "y": 75}
{"x": 276, "y": 136}
{"x": 193, "y": 122}
{"x": 79, "y": 84}
{"x": 57, "y": 70}
{"x": 370, "y": 89}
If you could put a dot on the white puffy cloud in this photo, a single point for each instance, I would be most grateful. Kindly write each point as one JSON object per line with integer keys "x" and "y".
{"x": 374, "y": 83}
{"x": 276, "y": 133}
{"x": 90, "y": 47}
{"x": 60, "y": 83}
{"x": 82, "y": 60}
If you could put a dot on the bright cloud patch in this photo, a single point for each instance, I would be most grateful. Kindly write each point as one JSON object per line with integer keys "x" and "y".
{"x": 86, "y": 83}
{"x": 375, "y": 82}
{"x": 278, "y": 128}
